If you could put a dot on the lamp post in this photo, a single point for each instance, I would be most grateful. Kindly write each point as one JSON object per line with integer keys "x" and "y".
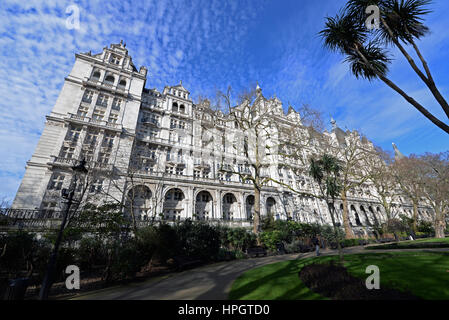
{"x": 67, "y": 194}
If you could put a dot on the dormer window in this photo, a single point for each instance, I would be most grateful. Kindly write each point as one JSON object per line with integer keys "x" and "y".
{"x": 115, "y": 59}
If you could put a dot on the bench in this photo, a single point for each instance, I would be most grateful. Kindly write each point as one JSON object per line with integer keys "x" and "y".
{"x": 184, "y": 262}
{"x": 256, "y": 251}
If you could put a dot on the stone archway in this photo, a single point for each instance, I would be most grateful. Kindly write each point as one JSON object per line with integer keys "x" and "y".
{"x": 376, "y": 221}
{"x": 356, "y": 216}
{"x": 174, "y": 204}
{"x": 229, "y": 207}
{"x": 249, "y": 205}
{"x": 139, "y": 202}
{"x": 270, "y": 206}
{"x": 365, "y": 214}
{"x": 204, "y": 205}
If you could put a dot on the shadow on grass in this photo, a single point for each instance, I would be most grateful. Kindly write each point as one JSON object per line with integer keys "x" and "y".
{"x": 423, "y": 274}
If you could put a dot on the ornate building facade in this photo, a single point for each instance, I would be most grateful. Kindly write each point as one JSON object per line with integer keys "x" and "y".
{"x": 152, "y": 143}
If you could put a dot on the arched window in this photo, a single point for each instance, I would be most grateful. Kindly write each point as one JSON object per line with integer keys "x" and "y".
{"x": 182, "y": 109}
{"x": 96, "y": 75}
{"x": 122, "y": 83}
{"x": 175, "y": 107}
{"x": 109, "y": 79}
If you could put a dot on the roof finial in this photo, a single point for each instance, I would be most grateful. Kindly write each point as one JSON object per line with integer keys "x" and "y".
{"x": 397, "y": 154}
{"x": 258, "y": 89}
{"x": 334, "y": 123}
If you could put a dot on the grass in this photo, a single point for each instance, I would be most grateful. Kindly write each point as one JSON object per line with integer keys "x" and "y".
{"x": 417, "y": 244}
{"x": 424, "y": 274}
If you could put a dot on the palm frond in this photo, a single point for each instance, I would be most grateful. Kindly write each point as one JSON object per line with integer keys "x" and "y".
{"x": 405, "y": 19}
{"x": 341, "y": 33}
{"x": 377, "y": 58}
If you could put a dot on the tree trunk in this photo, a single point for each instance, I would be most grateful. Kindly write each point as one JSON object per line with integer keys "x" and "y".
{"x": 409, "y": 99}
{"x": 256, "y": 223}
{"x": 415, "y": 216}
{"x": 440, "y": 224}
{"x": 331, "y": 209}
{"x": 348, "y": 230}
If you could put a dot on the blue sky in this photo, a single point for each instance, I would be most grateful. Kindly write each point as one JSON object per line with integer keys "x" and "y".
{"x": 209, "y": 44}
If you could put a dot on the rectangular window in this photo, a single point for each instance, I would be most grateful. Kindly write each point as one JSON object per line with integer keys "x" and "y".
{"x": 96, "y": 186}
{"x": 113, "y": 118}
{"x": 56, "y": 181}
{"x": 102, "y": 100}
{"x": 91, "y": 137}
{"x": 82, "y": 111}
{"x": 88, "y": 154}
{"x": 196, "y": 173}
{"x": 103, "y": 157}
{"x": 98, "y": 114}
{"x": 116, "y": 104}
{"x": 108, "y": 141}
{"x": 87, "y": 97}
{"x": 115, "y": 59}
{"x": 74, "y": 134}
{"x": 67, "y": 152}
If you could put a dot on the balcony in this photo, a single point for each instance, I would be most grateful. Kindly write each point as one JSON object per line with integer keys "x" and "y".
{"x": 150, "y": 122}
{"x": 198, "y": 163}
{"x": 94, "y": 82}
{"x": 95, "y": 122}
{"x": 176, "y": 160}
{"x": 64, "y": 161}
{"x": 100, "y": 166}
{"x": 69, "y": 162}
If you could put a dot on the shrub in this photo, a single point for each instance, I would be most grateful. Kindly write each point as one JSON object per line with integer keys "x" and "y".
{"x": 91, "y": 252}
{"x": 18, "y": 253}
{"x": 126, "y": 262}
{"x": 198, "y": 240}
{"x": 240, "y": 239}
{"x": 270, "y": 239}
{"x": 293, "y": 247}
{"x": 426, "y": 227}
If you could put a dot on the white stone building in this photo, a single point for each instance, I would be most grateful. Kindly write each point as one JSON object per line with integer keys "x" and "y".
{"x": 152, "y": 144}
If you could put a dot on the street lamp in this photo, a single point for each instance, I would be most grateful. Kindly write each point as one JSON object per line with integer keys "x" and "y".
{"x": 67, "y": 194}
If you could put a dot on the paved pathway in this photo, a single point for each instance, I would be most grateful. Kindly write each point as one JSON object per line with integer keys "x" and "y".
{"x": 211, "y": 282}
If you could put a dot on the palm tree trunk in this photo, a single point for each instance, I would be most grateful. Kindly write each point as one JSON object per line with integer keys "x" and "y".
{"x": 427, "y": 80}
{"x": 409, "y": 99}
{"x": 331, "y": 208}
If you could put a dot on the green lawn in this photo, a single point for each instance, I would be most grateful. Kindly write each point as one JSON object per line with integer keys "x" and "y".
{"x": 424, "y": 274}
{"x": 417, "y": 244}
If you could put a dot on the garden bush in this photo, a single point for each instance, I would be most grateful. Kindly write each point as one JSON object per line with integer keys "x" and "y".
{"x": 198, "y": 240}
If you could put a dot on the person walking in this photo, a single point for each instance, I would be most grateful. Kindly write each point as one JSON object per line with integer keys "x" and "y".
{"x": 316, "y": 243}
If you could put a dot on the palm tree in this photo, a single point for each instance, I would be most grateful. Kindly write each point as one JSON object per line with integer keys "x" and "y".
{"x": 326, "y": 173}
{"x": 366, "y": 50}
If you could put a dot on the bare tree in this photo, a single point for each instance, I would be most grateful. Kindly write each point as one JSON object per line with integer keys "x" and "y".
{"x": 377, "y": 167}
{"x": 255, "y": 132}
{"x": 408, "y": 172}
{"x": 351, "y": 150}
{"x": 435, "y": 177}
